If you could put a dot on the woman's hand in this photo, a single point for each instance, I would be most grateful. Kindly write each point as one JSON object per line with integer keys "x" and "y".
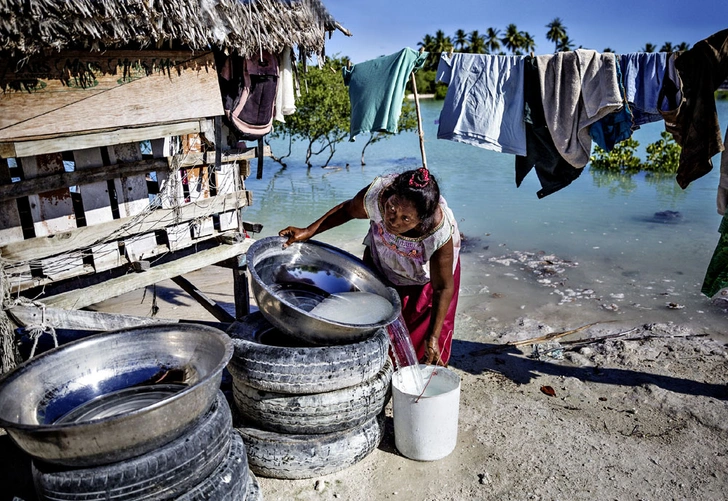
{"x": 432, "y": 352}
{"x": 295, "y": 235}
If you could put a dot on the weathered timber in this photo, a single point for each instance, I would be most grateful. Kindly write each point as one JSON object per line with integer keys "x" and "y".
{"x": 77, "y": 319}
{"x": 211, "y": 306}
{"x": 208, "y": 158}
{"x": 103, "y": 137}
{"x": 120, "y": 89}
{"x": 41, "y": 247}
{"x": 115, "y": 287}
{"x": 85, "y": 176}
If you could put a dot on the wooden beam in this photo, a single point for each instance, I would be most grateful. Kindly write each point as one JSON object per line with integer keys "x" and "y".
{"x": 87, "y": 176}
{"x": 79, "y": 238}
{"x": 78, "y": 319}
{"x": 96, "y": 139}
{"x": 82, "y": 298}
{"x": 193, "y": 159}
{"x": 211, "y": 306}
{"x": 114, "y": 90}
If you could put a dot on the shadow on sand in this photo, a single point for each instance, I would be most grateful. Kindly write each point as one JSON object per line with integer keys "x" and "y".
{"x": 478, "y": 358}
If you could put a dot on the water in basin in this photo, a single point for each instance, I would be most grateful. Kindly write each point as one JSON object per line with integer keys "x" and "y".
{"x": 361, "y": 308}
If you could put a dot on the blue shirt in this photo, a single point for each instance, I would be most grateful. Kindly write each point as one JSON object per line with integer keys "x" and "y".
{"x": 484, "y": 101}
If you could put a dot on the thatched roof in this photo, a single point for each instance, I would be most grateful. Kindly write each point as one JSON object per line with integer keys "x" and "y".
{"x": 242, "y": 26}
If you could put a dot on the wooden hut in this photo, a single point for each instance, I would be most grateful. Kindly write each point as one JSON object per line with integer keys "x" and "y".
{"x": 116, "y": 167}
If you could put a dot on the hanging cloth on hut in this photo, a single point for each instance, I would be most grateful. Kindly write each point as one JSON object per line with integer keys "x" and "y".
{"x": 248, "y": 89}
{"x": 376, "y": 90}
{"x": 577, "y": 89}
{"x": 484, "y": 101}
{"x": 693, "y": 122}
{"x": 286, "y": 93}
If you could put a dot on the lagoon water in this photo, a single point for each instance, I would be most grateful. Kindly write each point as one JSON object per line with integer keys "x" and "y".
{"x": 615, "y": 259}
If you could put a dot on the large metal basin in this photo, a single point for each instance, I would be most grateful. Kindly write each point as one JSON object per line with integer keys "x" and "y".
{"x": 288, "y": 283}
{"x": 115, "y": 395}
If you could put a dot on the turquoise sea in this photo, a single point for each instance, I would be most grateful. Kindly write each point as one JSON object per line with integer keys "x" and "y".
{"x": 621, "y": 260}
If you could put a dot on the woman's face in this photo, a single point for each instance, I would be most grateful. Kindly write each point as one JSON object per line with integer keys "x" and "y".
{"x": 400, "y": 215}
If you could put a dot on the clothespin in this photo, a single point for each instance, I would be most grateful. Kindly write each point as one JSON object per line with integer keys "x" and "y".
{"x": 450, "y": 52}
{"x": 348, "y": 64}
{"x": 531, "y": 53}
{"x": 422, "y": 49}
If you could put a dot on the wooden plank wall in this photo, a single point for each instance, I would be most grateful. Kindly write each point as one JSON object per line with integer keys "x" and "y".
{"x": 113, "y": 205}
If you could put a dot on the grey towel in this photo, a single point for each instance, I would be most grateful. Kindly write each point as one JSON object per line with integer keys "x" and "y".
{"x": 577, "y": 88}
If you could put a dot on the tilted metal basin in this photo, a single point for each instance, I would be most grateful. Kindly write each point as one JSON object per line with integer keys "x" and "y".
{"x": 114, "y": 395}
{"x": 288, "y": 283}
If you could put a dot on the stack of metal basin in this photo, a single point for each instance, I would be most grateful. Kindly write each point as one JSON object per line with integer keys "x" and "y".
{"x": 114, "y": 395}
{"x": 289, "y": 282}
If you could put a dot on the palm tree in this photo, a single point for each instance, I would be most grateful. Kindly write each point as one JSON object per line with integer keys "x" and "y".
{"x": 461, "y": 38}
{"x": 607, "y": 49}
{"x": 441, "y": 43}
{"x": 682, "y": 47}
{"x": 527, "y": 43}
{"x": 649, "y": 48}
{"x": 556, "y": 32}
{"x": 492, "y": 42}
{"x": 512, "y": 39}
{"x": 565, "y": 44}
{"x": 426, "y": 43}
{"x": 667, "y": 47}
{"x": 476, "y": 43}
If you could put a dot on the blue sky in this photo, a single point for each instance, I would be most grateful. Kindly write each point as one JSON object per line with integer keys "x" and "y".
{"x": 382, "y": 27}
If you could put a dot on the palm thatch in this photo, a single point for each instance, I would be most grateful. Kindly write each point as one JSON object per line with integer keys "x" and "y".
{"x": 234, "y": 26}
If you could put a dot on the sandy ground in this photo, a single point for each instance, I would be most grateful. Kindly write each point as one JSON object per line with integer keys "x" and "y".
{"x": 639, "y": 411}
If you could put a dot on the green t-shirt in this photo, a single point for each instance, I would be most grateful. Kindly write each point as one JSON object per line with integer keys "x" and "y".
{"x": 376, "y": 90}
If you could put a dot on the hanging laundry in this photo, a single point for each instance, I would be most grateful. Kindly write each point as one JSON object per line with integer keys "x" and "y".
{"x": 694, "y": 121}
{"x": 248, "y": 88}
{"x": 484, "y": 101}
{"x": 615, "y": 127}
{"x": 577, "y": 89}
{"x": 642, "y": 74}
{"x": 376, "y": 90}
{"x": 553, "y": 171}
{"x": 722, "y": 198}
{"x": 286, "y": 94}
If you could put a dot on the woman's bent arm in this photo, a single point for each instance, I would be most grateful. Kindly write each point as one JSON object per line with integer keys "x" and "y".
{"x": 336, "y": 216}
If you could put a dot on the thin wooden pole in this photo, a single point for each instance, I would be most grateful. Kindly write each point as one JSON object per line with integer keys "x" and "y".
{"x": 419, "y": 121}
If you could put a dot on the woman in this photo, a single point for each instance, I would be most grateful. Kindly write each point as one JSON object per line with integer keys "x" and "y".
{"x": 414, "y": 243}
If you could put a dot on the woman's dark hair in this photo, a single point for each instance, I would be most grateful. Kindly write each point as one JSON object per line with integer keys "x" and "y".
{"x": 420, "y": 187}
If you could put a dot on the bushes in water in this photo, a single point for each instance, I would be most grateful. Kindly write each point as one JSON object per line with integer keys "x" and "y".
{"x": 662, "y": 157}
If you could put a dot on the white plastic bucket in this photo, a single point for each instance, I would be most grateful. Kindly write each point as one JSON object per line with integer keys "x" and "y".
{"x": 426, "y": 427}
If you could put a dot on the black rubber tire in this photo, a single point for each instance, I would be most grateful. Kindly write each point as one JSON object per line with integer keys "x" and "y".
{"x": 161, "y": 474}
{"x": 285, "y": 456}
{"x": 262, "y": 364}
{"x": 229, "y": 481}
{"x": 317, "y": 413}
{"x": 254, "y": 493}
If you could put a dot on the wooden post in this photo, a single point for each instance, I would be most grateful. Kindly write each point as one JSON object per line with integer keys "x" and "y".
{"x": 419, "y": 121}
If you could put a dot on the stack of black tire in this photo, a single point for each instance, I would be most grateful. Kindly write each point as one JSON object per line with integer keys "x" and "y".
{"x": 207, "y": 462}
{"x": 307, "y": 411}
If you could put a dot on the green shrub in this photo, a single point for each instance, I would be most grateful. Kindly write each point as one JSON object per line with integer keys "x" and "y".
{"x": 663, "y": 156}
{"x": 621, "y": 159}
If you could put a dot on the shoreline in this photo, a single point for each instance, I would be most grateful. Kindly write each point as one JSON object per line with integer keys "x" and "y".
{"x": 639, "y": 406}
